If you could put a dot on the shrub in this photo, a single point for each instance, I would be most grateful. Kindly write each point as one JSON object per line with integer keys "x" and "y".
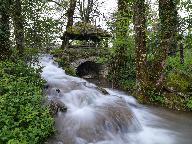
{"x": 70, "y": 71}
{"x": 179, "y": 81}
{"x": 57, "y": 52}
{"x": 179, "y": 76}
{"x": 189, "y": 104}
{"x": 23, "y": 118}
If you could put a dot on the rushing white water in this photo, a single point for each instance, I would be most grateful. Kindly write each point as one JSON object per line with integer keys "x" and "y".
{"x": 93, "y": 117}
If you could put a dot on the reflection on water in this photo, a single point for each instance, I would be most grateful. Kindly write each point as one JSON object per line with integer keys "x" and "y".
{"x": 116, "y": 118}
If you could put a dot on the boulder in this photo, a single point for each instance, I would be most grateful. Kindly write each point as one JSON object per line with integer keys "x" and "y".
{"x": 102, "y": 90}
{"x": 56, "y": 105}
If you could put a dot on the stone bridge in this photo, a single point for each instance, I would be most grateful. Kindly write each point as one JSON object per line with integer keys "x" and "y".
{"x": 85, "y": 61}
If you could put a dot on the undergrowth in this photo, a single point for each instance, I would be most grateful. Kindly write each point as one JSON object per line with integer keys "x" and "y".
{"x": 23, "y": 118}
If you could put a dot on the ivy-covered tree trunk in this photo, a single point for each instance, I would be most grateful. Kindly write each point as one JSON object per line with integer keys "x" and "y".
{"x": 70, "y": 14}
{"x": 167, "y": 40}
{"x": 18, "y": 25}
{"x": 141, "y": 51}
{"x": 174, "y": 28}
{"x": 169, "y": 23}
{"x": 4, "y": 29}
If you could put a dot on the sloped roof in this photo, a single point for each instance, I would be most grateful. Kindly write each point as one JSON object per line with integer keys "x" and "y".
{"x": 85, "y": 31}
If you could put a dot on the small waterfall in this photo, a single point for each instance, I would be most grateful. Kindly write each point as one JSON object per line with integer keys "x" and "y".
{"x": 94, "y": 117}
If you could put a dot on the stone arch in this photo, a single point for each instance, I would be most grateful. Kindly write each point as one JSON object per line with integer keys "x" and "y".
{"x": 88, "y": 69}
{"x": 78, "y": 62}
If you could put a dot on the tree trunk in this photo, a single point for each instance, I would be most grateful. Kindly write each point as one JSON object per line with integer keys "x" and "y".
{"x": 70, "y": 14}
{"x": 173, "y": 26}
{"x": 140, "y": 43}
{"x": 18, "y": 25}
{"x": 167, "y": 36}
{"x": 181, "y": 53}
{"x": 88, "y": 10}
{"x": 5, "y": 51}
{"x": 85, "y": 11}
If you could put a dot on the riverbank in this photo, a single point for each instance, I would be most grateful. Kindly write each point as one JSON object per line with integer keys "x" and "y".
{"x": 24, "y": 118}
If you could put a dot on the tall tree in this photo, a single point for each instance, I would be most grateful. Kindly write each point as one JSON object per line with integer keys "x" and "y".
{"x": 89, "y": 9}
{"x": 41, "y": 28}
{"x": 169, "y": 8}
{"x": 86, "y": 10}
{"x": 4, "y": 29}
{"x": 18, "y": 22}
{"x": 140, "y": 44}
{"x": 174, "y": 27}
{"x": 167, "y": 15}
{"x": 70, "y": 14}
{"x": 118, "y": 62}
{"x": 122, "y": 66}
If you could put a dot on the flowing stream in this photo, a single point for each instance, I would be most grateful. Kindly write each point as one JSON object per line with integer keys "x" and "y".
{"x": 114, "y": 118}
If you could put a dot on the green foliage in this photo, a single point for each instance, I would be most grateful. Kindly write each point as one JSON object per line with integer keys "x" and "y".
{"x": 4, "y": 29}
{"x": 23, "y": 117}
{"x": 31, "y": 51}
{"x": 174, "y": 62}
{"x": 70, "y": 71}
{"x": 179, "y": 76}
{"x": 56, "y": 52}
{"x": 64, "y": 63}
{"x": 122, "y": 70}
{"x": 42, "y": 29}
{"x": 179, "y": 81}
{"x": 71, "y": 55}
{"x": 123, "y": 76}
{"x": 102, "y": 60}
{"x": 83, "y": 28}
{"x": 155, "y": 96}
{"x": 189, "y": 104}
{"x": 122, "y": 61}
{"x": 128, "y": 84}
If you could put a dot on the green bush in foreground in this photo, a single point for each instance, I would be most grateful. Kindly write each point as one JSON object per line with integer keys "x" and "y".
{"x": 23, "y": 118}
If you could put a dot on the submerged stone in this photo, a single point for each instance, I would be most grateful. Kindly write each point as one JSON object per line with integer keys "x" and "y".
{"x": 56, "y": 106}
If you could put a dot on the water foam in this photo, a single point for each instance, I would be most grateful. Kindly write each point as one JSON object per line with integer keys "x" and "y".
{"x": 100, "y": 119}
